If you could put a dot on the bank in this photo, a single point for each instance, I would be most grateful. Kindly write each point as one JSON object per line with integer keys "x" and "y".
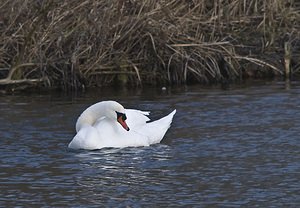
{"x": 74, "y": 45}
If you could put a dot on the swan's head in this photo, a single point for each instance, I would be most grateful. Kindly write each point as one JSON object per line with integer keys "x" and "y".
{"x": 109, "y": 109}
{"x": 116, "y": 111}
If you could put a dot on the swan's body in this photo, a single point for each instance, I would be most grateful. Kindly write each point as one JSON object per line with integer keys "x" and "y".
{"x": 99, "y": 126}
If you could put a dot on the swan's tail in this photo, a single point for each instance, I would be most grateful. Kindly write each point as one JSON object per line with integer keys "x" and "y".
{"x": 159, "y": 128}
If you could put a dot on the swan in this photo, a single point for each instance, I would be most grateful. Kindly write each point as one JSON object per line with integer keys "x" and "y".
{"x": 109, "y": 124}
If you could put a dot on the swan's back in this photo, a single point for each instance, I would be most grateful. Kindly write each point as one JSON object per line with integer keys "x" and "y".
{"x": 136, "y": 117}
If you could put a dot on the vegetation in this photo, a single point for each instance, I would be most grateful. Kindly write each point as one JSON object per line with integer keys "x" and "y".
{"x": 82, "y": 43}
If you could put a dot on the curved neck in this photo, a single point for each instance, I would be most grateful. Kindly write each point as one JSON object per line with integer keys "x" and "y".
{"x": 91, "y": 115}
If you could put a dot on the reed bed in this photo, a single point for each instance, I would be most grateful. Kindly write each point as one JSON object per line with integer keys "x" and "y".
{"x": 76, "y": 44}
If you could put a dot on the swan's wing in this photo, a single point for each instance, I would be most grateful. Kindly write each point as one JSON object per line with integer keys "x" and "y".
{"x": 157, "y": 129}
{"x": 136, "y": 117}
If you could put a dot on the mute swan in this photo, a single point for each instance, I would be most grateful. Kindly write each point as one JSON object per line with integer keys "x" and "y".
{"x": 108, "y": 124}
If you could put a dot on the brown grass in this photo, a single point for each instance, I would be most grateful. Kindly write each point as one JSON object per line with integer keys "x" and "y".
{"x": 83, "y": 43}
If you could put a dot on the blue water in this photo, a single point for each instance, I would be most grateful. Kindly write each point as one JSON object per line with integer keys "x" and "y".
{"x": 226, "y": 148}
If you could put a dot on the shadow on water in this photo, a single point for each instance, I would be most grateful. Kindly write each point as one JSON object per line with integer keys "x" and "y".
{"x": 237, "y": 147}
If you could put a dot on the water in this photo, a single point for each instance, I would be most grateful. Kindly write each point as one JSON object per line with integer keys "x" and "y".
{"x": 232, "y": 148}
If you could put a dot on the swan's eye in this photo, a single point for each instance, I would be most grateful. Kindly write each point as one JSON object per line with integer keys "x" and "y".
{"x": 121, "y": 115}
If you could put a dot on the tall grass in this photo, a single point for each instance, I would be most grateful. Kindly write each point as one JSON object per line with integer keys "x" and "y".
{"x": 81, "y": 43}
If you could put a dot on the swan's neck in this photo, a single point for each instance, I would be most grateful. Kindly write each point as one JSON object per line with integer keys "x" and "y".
{"x": 91, "y": 115}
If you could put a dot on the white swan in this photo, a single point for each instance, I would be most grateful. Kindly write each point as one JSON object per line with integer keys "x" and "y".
{"x": 103, "y": 125}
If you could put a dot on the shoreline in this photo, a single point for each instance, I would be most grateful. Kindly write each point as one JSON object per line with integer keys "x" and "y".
{"x": 163, "y": 89}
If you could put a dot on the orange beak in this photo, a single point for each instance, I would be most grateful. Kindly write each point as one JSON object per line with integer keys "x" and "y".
{"x": 123, "y": 123}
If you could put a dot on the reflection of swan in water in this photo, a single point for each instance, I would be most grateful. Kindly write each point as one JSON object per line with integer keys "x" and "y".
{"x": 103, "y": 125}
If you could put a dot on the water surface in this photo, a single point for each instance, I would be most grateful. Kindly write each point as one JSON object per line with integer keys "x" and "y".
{"x": 226, "y": 148}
